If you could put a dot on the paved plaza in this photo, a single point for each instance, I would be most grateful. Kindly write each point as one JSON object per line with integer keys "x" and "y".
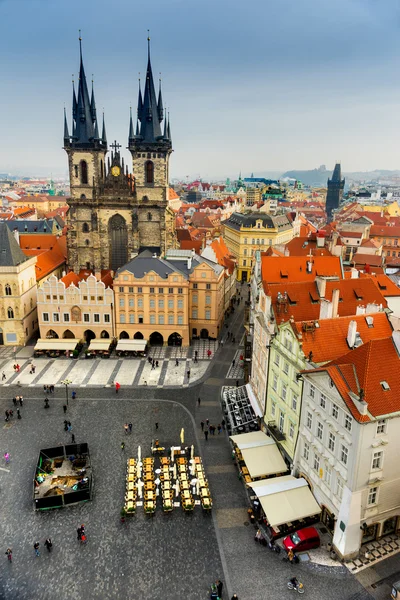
{"x": 164, "y": 557}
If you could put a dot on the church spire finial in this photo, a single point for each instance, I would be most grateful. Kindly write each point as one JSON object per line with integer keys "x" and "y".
{"x": 80, "y": 45}
{"x": 148, "y": 45}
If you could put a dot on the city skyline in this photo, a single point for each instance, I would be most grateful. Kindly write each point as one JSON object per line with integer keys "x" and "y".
{"x": 302, "y": 91}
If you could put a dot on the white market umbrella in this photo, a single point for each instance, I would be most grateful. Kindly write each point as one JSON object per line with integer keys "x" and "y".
{"x": 174, "y": 471}
{"x": 139, "y": 454}
{"x": 182, "y": 436}
{"x": 198, "y": 487}
{"x": 172, "y": 454}
{"x": 192, "y": 452}
{"x": 177, "y": 488}
{"x": 139, "y": 486}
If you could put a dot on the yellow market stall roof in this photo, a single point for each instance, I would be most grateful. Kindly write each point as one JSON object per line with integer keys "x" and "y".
{"x": 260, "y": 453}
{"x": 285, "y": 499}
{"x": 103, "y": 344}
{"x": 131, "y": 345}
{"x": 56, "y": 344}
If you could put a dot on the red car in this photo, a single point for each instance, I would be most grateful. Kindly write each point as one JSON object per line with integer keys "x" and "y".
{"x": 304, "y": 539}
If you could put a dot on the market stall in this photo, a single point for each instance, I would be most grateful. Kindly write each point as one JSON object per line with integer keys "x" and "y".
{"x": 102, "y": 348}
{"x": 287, "y": 504}
{"x": 54, "y": 347}
{"x": 257, "y": 456}
{"x": 131, "y": 347}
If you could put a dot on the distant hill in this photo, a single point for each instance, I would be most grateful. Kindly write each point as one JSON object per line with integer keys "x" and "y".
{"x": 315, "y": 178}
{"x": 319, "y": 177}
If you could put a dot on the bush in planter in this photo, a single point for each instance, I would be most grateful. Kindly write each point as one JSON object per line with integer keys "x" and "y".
{"x": 75, "y": 353}
{"x": 131, "y": 509}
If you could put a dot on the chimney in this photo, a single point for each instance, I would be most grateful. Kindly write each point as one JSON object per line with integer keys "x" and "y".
{"x": 335, "y": 303}
{"x": 371, "y": 308}
{"x": 16, "y": 234}
{"x": 189, "y": 263}
{"x": 351, "y": 334}
{"x": 321, "y": 285}
{"x": 355, "y": 273}
{"x": 320, "y": 241}
{"x": 325, "y": 309}
{"x": 360, "y": 310}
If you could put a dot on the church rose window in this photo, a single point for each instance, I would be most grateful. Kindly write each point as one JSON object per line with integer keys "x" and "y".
{"x": 149, "y": 172}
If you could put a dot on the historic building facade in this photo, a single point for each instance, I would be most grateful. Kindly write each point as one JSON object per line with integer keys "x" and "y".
{"x": 113, "y": 214}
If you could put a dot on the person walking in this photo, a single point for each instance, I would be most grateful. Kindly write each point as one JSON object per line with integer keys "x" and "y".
{"x": 220, "y": 585}
{"x": 223, "y": 423}
{"x": 79, "y": 533}
{"x": 130, "y": 427}
{"x": 73, "y": 395}
{"x": 198, "y": 401}
{"x": 176, "y": 362}
{"x": 69, "y": 427}
{"x": 64, "y": 408}
{"x": 117, "y": 386}
{"x": 219, "y": 428}
{"x": 48, "y": 543}
{"x": 234, "y": 597}
{"x": 18, "y": 414}
{"x": 21, "y": 400}
{"x": 122, "y": 445}
{"x": 7, "y": 457}
{"x": 126, "y": 427}
{"x": 156, "y": 425}
{"x": 3, "y": 376}
{"x": 202, "y": 425}
{"x": 206, "y": 434}
{"x": 72, "y": 438}
{"x": 9, "y": 554}
{"x": 156, "y": 364}
{"x": 15, "y": 401}
{"x": 188, "y": 373}
{"x": 36, "y": 548}
{"x": 7, "y": 415}
{"x": 207, "y": 422}
{"x": 233, "y": 363}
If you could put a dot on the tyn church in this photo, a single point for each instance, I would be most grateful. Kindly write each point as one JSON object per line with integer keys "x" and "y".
{"x": 113, "y": 214}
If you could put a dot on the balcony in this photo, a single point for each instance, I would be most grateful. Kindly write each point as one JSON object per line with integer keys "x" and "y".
{"x": 278, "y": 435}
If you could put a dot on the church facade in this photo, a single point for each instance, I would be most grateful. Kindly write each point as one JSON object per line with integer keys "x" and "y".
{"x": 114, "y": 214}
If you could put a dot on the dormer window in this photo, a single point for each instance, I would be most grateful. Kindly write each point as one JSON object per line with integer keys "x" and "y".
{"x": 385, "y": 386}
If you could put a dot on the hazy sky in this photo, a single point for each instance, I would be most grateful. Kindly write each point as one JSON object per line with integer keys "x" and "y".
{"x": 251, "y": 86}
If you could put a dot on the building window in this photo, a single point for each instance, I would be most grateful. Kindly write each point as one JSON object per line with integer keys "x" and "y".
{"x": 122, "y": 302}
{"x": 273, "y": 409}
{"x": 316, "y": 462}
{"x": 194, "y": 313}
{"x": 306, "y": 451}
{"x": 131, "y": 318}
{"x": 339, "y": 488}
{"x": 195, "y": 299}
{"x": 344, "y": 454}
{"x": 245, "y": 263}
{"x": 335, "y": 411}
{"x": 131, "y": 302}
{"x": 180, "y": 303}
{"x": 312, "y": 391}
{"x": 281, "y": 422}
{"x": 121, "y": 289}
{"x": 10, "y": 313}
{"x": 106, "y": 318}
{"x": 208, "y": 315}
{"x": 275, "y": 383}
{"x": 320, "y": 430}
{"x": 208, "y": 286}
{"x": 149, "y": 169}
{"x": 322, "y": 401}
{"x": 276, "y": 359}
{"x": 286, "y": 368}
{"x": 66, "y": 317}
{"x": 284, "y": 391}
{"x": 122, "y": 318}
{"x": 377, "y": 460}
{"x": 180, "y": 320}
{"x": 160, "y": 290}
{"x": 170, "y": 290}
{"x": 8, "y": 290}
{"x": 96, "y": 318}
{"x": 381, "y": 426}
{"x": 86, "y": 317}
{"x": 130, "y": 290}
{"x": 140, "y": 320}
{"x": 291, "y": 431}
{"x": 328, "y": 475}
{"x": 294, "y": 402}
{"x": 372, "y": 496}
{"x": 84, "y": 172}
{"x": 170, "y": 304}
{"x": 56, "y": 317}
{"x": 309, "y": 420}
{"x": 331, "y": 442}
{"x": 152, "y": 303}
{"x": 140, "y": 302}
{"x": 152, "y": 319}
{"x": 180, "y": 290}
{"x": 348, "y": 421}
{"x": 245, "y": 252}
{"x": 151, "y": 290}
{"x": 46, "y": 317}
{"x": 161, "y": 319}
{"x": 170, "y": 319}
{"x": 161, "y": 304}
{"x": 208, "y": 299}
{"x": 195, "y": 286}
{"x": 203, "y": 275}
{"x": 140, "y": 290}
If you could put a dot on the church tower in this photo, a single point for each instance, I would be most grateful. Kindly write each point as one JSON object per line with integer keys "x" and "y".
{"x": 151, "y": 149}
{"x": 335, "y": 191}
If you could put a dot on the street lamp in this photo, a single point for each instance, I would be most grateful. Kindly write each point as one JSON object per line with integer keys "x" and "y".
{"x": 66, "y": 382}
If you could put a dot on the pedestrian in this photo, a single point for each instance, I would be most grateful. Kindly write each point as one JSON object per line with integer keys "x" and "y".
{"x": 150, "y": 359}
{"x": 45, "y": 388}
{"x": 198, "y": 401}
{"x": 220, "y": 585}
{"x": 79, "y": 533}
{"x": 208, "y": 422}
{"x": 156, "y": 364}
{"x": 130, "y": 427}
{"x": 290, "y": 556}
{"x": 7, "y": 415}
{"x": 153, "y": 364}
{"x": 65, "y": 425}
{"x": 52, "y": 389}
{"x": 73, "y": 395}
{"x": 21, "y": 400}
{"x": 15, "y": 367}
{"x": 234, "y": 339}
{"x": 237, "y": 382}
{"x": 7, "y": 457}
{"x": 46, "y": 403}
{"x": 222, "y": 343}
{"x": 33, "y": 368}
{"x": 9, "y": 554}
{"x": 223, "y": 423}
{"x": 3, "y": 376}
{"x": 206, "y": 434}
{"x": 117, "y": 386}
{"x": 219, "y": 428}
{"x": 126, "y": 427}
{"x": 64, "y": 408}
{"x": 234, "y": 597}
{"x": 176, "y": 362}
{"x": 15, "y": 401}
{"x": 72, "y": 438}
{"x": 212, "y": 428}
{"x": 233, "y": 363}
{"x": 69, "y": 427}
{"x": 202, "y": 425}
{"x": 156, "y": 425}
{"x": 188, "y": 373}
{"x": 36, "y": 548}
{"x": 18, "y": 368}
{"x": 11, "y": 413}
{"x": 18, "y": 414}
{"x": 48, "y": 543}
{"x": 122, "y": 445}
{"x": 145, "y": 383}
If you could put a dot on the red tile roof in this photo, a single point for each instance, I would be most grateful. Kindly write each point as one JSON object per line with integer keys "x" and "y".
{"x": 385, "y": 232}
{"x": 302, "y": 246}
{"x": 368, "y": 259}
{"x": 276, "y": 269}
{"x": 73, "y": 278}
{"x": 385, "y": 285}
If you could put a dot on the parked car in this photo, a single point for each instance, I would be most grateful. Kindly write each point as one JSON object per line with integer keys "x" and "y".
{"x": 304, "y": 539}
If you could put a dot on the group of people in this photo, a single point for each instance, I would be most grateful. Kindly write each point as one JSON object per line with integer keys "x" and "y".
{"x": 207, "y": 428}
{"x": 128, "y": 428}
{"x": 48, "y": 544}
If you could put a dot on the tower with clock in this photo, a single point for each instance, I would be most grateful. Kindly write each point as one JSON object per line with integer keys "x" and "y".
{"x": 114, "y": 214}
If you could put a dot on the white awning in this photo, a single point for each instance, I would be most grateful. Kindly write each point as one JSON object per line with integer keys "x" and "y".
{"x": 103, "y": 344}
{"x": 260, "y": 453}
{"x": 56, "y": 344}
{"x": 132, "y": 345}
{"x": 253, "y": 400}
{"x": 285, "y": 499}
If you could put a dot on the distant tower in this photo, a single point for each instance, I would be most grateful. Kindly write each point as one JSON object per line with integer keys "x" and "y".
{"x": 335, "y": 191}
{"x": 154, "y": 221}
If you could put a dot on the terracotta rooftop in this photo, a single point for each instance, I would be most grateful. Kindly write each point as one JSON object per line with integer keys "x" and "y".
{"x": 328, "y": 340}
{"x": 276, "y": 269}
{"x": 302, "y": 246}
{"x": 73, "y": 278}
{"x": 385, "y": 285}
{"x": 384, "y": 232}
{"x": 368, "y": 259}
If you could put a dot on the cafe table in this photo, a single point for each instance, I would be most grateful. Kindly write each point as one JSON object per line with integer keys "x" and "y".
{"x": 167, "y": 485}
{"x": 186, "y": 494}
{"x": 131, "y": 477}
{"x": 132, "y": 462}
{"x": 245, "y": 471}
{"x": 197, "y": 460}
{"x": 148, "y": 476}
{"x": 131, "y": 485}
{"x": 204, "y": 492}
{"x": 183, "y": 476}
{"x": 130, "y": 504}
{"x": 149, "y": 495}
{"x": 131, "y": 495}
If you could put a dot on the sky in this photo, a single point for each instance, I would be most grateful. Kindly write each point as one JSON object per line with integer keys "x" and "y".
{"x": 255, "y": 86}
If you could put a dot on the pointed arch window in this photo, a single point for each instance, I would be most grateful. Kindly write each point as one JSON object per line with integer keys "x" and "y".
{"x": 85, "y": 228}
{"x": 10, "y": 313}
{"x": 8, "y": 290}
{"x": 84, "y": 172}
{"x": 149, "y": 167}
